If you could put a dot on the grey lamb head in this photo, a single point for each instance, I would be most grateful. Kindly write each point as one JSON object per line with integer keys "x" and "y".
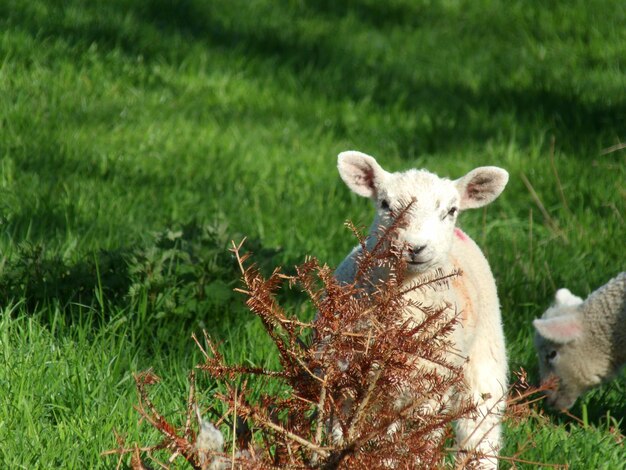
{"x": 581, "y": 343}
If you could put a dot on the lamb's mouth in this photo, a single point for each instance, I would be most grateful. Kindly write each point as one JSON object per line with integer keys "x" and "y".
{"x": 417, "y": 263}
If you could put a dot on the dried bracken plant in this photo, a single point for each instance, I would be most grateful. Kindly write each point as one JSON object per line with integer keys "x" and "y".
{"x": 365, "y": 386}
{"x": 521, "y": 406}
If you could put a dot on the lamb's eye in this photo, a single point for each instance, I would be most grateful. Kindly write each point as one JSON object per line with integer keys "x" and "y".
{"x": 384, "y": 205}
{"x": 452, "y": 212}
{"x": 551, "y": 355}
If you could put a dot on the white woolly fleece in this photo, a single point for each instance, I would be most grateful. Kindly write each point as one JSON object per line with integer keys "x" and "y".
{"x": 435, "y": 243}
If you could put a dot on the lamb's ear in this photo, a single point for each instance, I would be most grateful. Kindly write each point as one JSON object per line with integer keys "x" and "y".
{"x": 481, "y": 186}
{"x": 564, "y": 297}
{"x": 562, "y": 329}
{"x": 360, "y": 172}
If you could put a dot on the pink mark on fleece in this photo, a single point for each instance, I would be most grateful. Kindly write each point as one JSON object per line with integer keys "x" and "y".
{"x": 459, "y": 233}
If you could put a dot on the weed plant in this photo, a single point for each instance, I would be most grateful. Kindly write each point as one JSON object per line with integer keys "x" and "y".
{"x": 355, "y": 387}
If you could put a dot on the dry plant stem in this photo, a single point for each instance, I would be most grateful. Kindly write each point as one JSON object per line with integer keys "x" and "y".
{"x": 162, "y": 425}
{"x": 265, "y": 306}
{"x": 236, "y": 250}
{"x": 159, "y": 422}
{"x": 308, "y": 371}
{"x": 314, "y": 295}
{"x": 206, "y": 340}
{"x": 556, "y": 175}
{"x": 320, "y": 414}
{"x": 191, "y": 404}
{"x": 174, "y": 456}
{"x": 515, "y": 460}
{"x": 159, "y": 463}
{"x": 574, "y": 417}
{"x": 275, "y": 427}
{"x": 135, "y": 460}
{"x": 613, "y": 148}
{"x": 364, "y": 402}
{"x": 215, "y": 364}
{"x": 290, "y": 453}
{"x": 122, "y": 450}
{"x": 438, "y": 279}
{"x": 551, "y": 222}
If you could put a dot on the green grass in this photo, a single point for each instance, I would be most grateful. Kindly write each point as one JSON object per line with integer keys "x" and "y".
{"x": 122, "y": 119}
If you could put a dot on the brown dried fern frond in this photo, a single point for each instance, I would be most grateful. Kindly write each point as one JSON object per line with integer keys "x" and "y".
{"x": 364, "y": 387}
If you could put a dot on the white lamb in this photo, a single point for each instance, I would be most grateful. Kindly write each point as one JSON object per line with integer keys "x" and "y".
{"x": 582, "y": 343}
{"x": 432, "y": 242}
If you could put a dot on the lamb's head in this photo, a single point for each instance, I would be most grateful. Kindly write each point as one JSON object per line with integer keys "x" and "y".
{"x": 427, "y": 231}
{"x": 564, "y": 351}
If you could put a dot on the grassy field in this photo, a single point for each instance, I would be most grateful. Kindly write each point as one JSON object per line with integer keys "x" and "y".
{"x": 138, "y": 138}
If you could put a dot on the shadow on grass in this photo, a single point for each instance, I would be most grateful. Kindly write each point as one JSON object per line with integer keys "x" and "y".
{"x": 183, "y": 279}
{"x": 328, "y": 63}
{"x": 458, "y": 113}
{"x": 41, "y": 279}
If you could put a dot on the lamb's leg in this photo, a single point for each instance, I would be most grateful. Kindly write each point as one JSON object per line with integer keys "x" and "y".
{"x": 486, "y": 379}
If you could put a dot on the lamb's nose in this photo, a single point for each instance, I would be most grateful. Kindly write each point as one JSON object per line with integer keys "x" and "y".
{"x": 416, "y": 250}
